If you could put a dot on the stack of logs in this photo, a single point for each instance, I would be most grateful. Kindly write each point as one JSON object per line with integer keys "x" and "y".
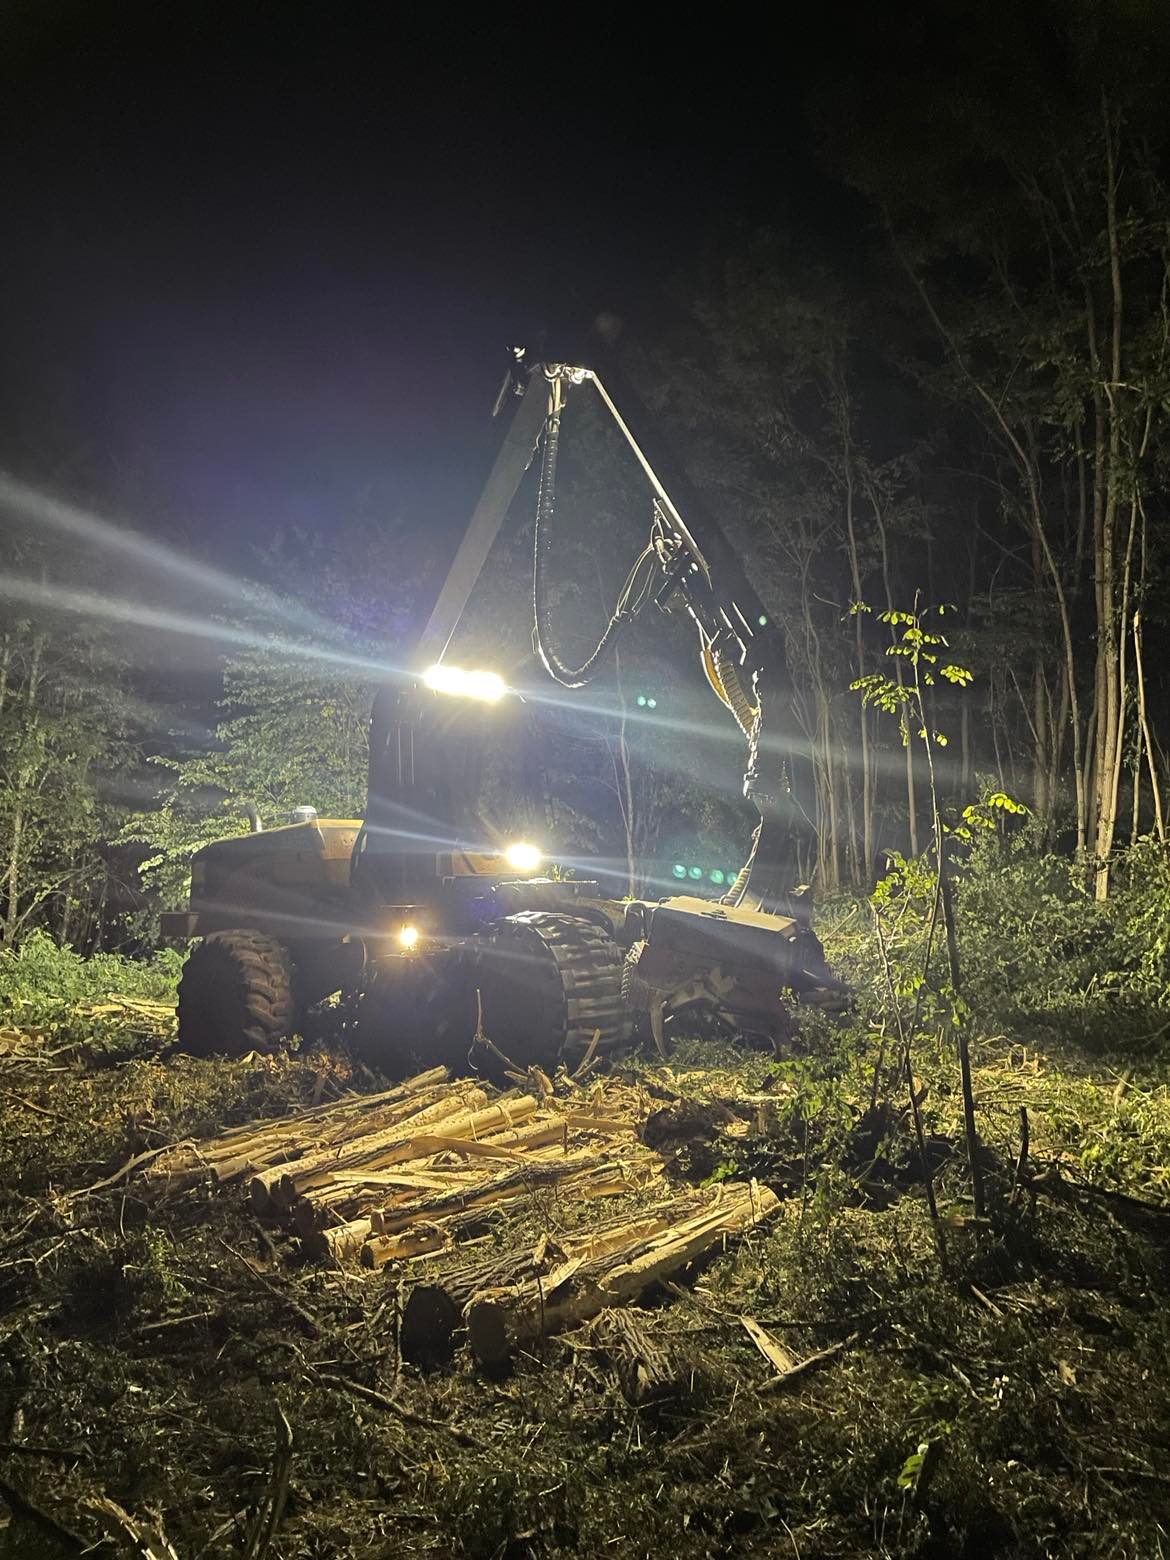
{"x": 414, "y": 1170}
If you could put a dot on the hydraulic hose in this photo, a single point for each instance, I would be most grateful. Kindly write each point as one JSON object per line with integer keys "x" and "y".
{"x": 731, "y": 690}
{"x": 558, "y": 670}
{"x": 728, "y": 685}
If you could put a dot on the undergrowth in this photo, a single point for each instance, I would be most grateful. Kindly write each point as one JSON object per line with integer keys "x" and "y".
{"x": 1010, "y": 1405}
{"x": 70, "y": 999}
{"x": 1040, "y": 956}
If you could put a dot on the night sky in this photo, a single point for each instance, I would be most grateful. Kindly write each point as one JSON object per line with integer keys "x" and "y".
{"x": 261, "y": 263}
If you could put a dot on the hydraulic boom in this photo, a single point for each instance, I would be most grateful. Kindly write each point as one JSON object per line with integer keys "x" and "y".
{"x": 687, "y": 559}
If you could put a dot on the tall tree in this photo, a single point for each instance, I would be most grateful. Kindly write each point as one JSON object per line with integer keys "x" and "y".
{"x": 1018, "y": 183}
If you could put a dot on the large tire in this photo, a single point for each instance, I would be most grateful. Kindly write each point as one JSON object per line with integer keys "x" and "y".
{"x": 236, "y": 995}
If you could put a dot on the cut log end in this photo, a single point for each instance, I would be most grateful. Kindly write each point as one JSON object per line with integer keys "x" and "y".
{"x": 487, "y": 1328}
{"x": 429, "y": 1322}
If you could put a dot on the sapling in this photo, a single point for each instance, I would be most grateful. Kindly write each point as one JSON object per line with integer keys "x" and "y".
{"x": 922, "y": 651}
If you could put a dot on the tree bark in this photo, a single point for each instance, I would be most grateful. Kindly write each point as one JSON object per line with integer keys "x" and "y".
{"x": 865, "y": 865}
{"x": 1147, "y": 736}
{"x": 647, "y": 1371}
{"x": 498, "y": 1320}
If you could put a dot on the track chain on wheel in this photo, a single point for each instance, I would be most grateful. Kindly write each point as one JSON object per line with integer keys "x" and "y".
{"x": 548, "y": 983}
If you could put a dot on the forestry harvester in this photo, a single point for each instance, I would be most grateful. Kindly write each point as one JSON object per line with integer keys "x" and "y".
{"x": 423, "y": 923}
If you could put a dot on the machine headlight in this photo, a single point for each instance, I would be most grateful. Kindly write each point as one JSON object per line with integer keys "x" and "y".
{"x": 408, "y": 937}
{"x": 488, "y": 686}
{"x": 522, "y": 857}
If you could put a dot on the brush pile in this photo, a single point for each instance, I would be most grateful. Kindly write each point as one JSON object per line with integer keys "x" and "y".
{"x": 112, "y": 1020}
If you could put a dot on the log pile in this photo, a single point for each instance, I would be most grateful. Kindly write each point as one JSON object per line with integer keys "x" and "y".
{"x": 382, "y": 1177}
{"x": 233, "y": 1157}
{"x": 420, "y": 1169}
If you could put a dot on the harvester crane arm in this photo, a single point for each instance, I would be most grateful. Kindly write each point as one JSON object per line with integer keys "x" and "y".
{"x": 688, "y": 559}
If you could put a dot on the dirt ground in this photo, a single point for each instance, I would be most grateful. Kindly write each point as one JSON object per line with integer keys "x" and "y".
{"x": 176, "y": 1359}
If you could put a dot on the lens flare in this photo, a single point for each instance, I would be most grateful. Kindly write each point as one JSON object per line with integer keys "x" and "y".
{"x": 453, "y": 680}
{"x": 47, "y": 510}
{"x": 91, "y": 603}
{"x": 522, "y": 857}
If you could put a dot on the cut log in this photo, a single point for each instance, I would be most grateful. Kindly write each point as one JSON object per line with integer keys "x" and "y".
{"x": 648, "y": 1371}
{"x": 429, "y": 1320}
{"x": 343, "y": 1243}
{"x": 421, "y": 1242}
{"x": 279, "y": 1185}
{"x": 591, "y": 1174}
{"x": 433, "y": 1310}
{"x": 431, "y": 1314}
{"x": 500, "y": 1319}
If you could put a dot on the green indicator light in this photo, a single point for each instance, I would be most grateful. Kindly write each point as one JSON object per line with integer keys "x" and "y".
{"x": 679, "y": 870}
{"x": 696, "y": 872}
{"x": 651, "y": 704}
{"x": 717, "y": 876}
{"x": 763, "y": 620}
{"x": 642, "y": 701}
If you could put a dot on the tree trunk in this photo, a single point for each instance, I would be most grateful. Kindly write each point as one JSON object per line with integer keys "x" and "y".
{"x": 1109, "y": 714}
{"x": 12, "y": 874}
{"x": 1110, "y": 796}
{"x": 911, "y": 788}
{"x": 1147, "y": 736}
{"x": 863, "y": 868}
{"x": 1041, "y": 798}
{"x": 498, "y": 1320}
{"x": 23, "y": 782}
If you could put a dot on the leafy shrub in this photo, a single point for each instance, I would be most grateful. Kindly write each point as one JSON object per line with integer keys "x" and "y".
{"x": 46, "y": 987}
{"x": 1038, "y": 948}
{"x": 1042, "y": 960}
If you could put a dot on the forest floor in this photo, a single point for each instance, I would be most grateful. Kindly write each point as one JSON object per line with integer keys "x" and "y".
{"x": 172, "y": 1356}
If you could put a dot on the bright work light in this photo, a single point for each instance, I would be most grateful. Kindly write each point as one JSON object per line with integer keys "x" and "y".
{"x": 522, "y": 857}
{"x": 488, "y": 686}
{"x": 407, "y": 937}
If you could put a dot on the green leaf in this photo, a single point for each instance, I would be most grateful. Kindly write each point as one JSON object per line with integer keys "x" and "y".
{"x": 913, "y": 1466}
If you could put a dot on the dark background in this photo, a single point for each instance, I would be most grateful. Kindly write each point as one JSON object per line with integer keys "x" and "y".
{"x": 261, "y": 263}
